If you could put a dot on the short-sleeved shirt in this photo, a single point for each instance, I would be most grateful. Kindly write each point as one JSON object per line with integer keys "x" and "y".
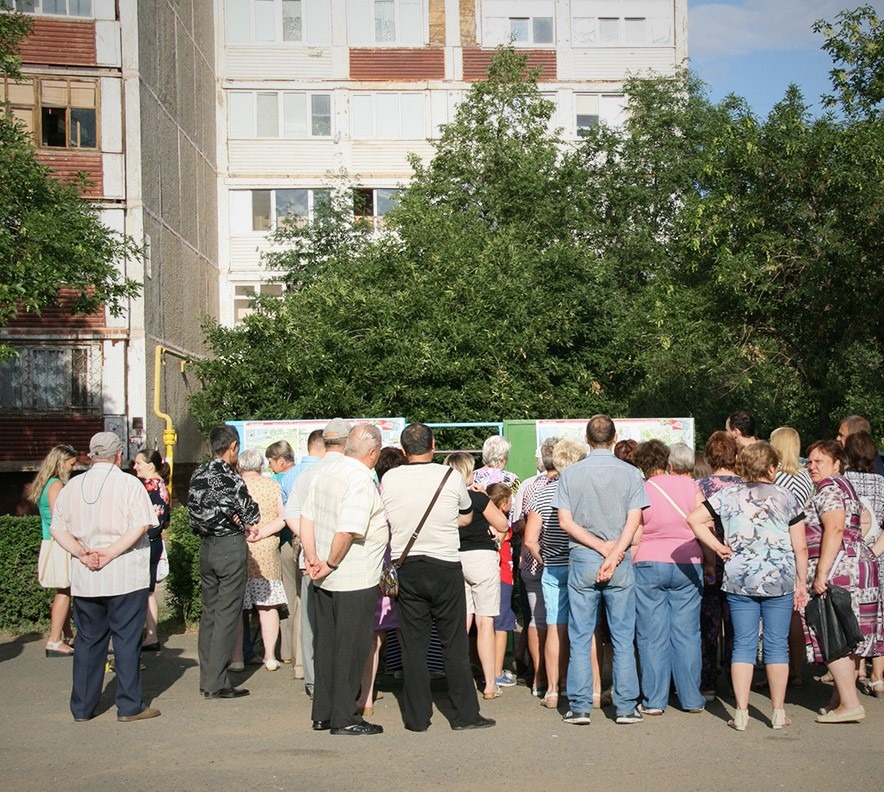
{"x": 343, "y": 498}
{"x": 599, "y": 491}
{"x": 97, "y": 508}
{"x": 554, "y": 542}
{"x": 666, "y": 535}
{"x": 756, "y": 518}
{"x": 407, "y": 493}
{"x": 477, "y": 535}
{"x": 799, "y": 484}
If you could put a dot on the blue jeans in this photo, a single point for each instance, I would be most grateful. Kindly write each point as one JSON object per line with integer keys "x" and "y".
{"x": 746, "y": 612}
{"x": 667, "y": 631}
{"x": 584, "y": 595}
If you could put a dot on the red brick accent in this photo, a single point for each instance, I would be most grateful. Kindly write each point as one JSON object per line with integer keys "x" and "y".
{"x": 60, "y": 42}
{"x": 397, "y": 65}
{"x": 475, "y": 63}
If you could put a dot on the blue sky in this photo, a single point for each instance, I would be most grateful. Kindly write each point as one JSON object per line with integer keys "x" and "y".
{"x": 755, "y": 48}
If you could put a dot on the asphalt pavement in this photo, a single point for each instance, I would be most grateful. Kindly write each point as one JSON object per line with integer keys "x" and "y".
{"x": 264, "y": 741}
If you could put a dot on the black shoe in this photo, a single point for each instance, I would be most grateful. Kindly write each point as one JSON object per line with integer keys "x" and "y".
{"x": 321, "y": 725}
{"x": 480, "y": 723}
{"x": 227, "y": 693}
{"x": 358, "y": 729}
{"x": 308, "y": 689}
{"x": 417, "y": 728}
{"x": 154, "y": 647}
{"x": 576, "y": 718}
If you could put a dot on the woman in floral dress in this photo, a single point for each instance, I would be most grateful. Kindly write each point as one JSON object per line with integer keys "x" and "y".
{"x": 839, "y": 556}
{"x": 264, "y": 589}
{"x": 765, "y": 570}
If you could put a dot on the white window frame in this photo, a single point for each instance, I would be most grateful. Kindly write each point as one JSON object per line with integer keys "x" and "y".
{"x": 37, "y": 6}
{"x": 242, "y": 16}
{"x": 376, "y": 106}
{"x": 531, "y": 41}
{"x": 273, "y": 219}
{"x": 244, "y": 294}
{"x": 586, "y": 31}
{"x": 246, "y": 102}
{"x": 376, "y": 218}
{"x": 410, "y": 23}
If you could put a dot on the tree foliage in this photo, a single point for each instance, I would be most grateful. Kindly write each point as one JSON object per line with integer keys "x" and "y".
{"x": 50, "y": 238}
{"x": 696, "y": 260}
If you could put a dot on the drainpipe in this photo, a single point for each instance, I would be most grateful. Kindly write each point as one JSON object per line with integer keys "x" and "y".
{"x": 170, "y": 436}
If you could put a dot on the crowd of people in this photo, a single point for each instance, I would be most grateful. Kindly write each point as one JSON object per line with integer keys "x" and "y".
{"x": 638, "y": 561}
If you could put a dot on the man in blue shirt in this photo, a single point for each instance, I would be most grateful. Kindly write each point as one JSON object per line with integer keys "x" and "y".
{"x": 600, "y": 501}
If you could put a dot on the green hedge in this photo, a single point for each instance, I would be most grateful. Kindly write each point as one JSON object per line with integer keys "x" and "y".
{"x": 183, "y": 584}
{"x": 24, "y": 603}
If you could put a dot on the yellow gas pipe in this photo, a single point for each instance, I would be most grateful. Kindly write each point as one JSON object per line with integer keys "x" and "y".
{"x": 170, "y": 436}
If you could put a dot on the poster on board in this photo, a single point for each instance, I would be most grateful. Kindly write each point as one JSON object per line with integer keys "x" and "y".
{"x": 260, "y": 434}
{"x": 669, "y": 430}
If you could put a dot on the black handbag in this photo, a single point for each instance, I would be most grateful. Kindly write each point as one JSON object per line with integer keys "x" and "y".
{"x": 389, "y": 582}
{"x": 834, "y": 623}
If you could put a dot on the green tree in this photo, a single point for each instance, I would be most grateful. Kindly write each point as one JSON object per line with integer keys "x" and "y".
{"x": 855, "y": 41}
{"x": 50, "y": 238}
{"x": 471, "y": 306}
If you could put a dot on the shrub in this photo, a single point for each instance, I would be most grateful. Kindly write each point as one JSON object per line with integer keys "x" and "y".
{"x": 183, "y": 583}
{"x": 24, "y": 603}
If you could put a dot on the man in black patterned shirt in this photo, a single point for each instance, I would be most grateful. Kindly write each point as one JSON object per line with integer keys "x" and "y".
{"x": 221, "y": 512}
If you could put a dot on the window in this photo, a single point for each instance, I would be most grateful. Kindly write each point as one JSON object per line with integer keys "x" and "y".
{"x": 398, "y": 22}
{"x": 534, "y": 30}
{"x": 278, "y": 21}
{"x": 244, "y": 295}
{"x": 59, "y": 113}
{"x": 370, "y": 205}
{"x": 52, "y": 379}
{"x": 618, "y": 31}
{"x": 274, "y": 208}
{"x": 278, "y": 114}
{"x": 388, "y": 115}
{"x": 74, "y": 8}
{"x": 591, "y": 109}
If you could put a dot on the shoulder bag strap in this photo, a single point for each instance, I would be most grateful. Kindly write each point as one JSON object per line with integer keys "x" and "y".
{"x": 672, "y": 503}
{"x": 420, "y": 525}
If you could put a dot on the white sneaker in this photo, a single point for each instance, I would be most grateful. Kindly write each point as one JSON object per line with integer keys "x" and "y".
{"x": 633, "y": 717}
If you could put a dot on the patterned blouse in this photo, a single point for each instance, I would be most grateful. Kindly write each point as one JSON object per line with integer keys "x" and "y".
{"x": 756, "y": 518}
{"x": 218, "y": 502}
{"x": 159, "y": 497}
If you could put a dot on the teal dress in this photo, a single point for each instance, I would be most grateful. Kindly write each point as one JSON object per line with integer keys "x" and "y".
{"x": 43, "y": 506}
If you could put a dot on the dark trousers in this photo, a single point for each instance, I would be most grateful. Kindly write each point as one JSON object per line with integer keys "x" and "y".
{"x": 98, "y": 619}
{"x": 344, "y": 626}
{"x": 223, "y": 582}
{"x": 431, "y": 590}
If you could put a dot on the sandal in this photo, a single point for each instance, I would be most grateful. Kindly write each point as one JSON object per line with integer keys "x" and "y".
{"x": 826, "y": 679}
{"x": 492, "y": 695}
{"x": 54, "y": 649}
{"x": 872, "y": 687}
{"x": 550, "y": 701}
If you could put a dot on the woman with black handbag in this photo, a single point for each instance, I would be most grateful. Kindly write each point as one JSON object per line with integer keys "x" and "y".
{"x": 839, "y": 556}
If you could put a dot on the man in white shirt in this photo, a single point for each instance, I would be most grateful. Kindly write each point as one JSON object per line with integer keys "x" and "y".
{"x": 344, "y": 535}
{"x": 431, "y": 583}
{"x": 101, "y": 518}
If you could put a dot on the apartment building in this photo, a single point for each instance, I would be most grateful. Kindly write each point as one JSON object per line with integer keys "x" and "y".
{"x": 203, "y": 123}
{"x": 311, "y": 88}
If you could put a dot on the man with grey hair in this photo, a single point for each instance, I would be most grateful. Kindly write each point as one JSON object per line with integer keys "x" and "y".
{"x": 600, "y": 501}
{"x": 221, "y": 512}
{"x": 333, "y": 440}
{"x": 344, "y": 535}
{"x": 101, "y": 519}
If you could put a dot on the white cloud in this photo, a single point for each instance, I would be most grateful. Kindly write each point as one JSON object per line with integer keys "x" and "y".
{"x": 747, "y": 26}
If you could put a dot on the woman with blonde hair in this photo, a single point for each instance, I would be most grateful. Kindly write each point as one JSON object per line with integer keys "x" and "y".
{"x": 791, "y": 474}
{"x": 53, "y": 474}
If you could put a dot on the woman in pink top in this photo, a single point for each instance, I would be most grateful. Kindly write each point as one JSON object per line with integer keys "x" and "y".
{"x": 668, "y": 580}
